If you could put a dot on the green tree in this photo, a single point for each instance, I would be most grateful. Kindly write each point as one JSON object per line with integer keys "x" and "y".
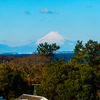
{"x": 63, "y": 81}
{"x": 47, "y": 49}
{"x": 81, "y": 83}
{"x": 31, "y": 67}
{"x": 12, "y": 82}
{"x": 90, "y": 52}
{"x": 78, "y": 79}
{"x": 54, "y": 74}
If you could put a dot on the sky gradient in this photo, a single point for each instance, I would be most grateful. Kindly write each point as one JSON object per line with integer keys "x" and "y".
{"x": 25, "y": 21}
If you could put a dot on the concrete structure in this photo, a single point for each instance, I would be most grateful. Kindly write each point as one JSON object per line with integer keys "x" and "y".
{"x": 30, "y": 97}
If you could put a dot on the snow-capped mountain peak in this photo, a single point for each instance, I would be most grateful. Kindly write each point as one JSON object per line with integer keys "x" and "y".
{"x": 52, "y": 37}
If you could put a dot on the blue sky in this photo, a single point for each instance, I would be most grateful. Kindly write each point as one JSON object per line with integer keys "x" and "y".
{"x": 25, "y": 21}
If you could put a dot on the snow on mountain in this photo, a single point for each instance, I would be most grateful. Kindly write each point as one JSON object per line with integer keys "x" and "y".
{"x": 55, "y": 37}
{"x": 52, "y": 37}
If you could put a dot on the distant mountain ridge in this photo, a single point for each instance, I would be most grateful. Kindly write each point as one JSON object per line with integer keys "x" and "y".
{"x": 55, "y": 37}
{"x": 52, "y": 37}
{"x": 19, "y": 49}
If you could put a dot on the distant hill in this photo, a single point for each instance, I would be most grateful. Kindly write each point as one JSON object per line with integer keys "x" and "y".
{"x": 52, "y": 37}
{"x": 18, "y": 49}
{"x": 5, "y": 48}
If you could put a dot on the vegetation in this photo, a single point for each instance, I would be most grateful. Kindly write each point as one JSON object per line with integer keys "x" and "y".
{"x": 17, "y": 75}
{"x": 47, "y": 49}
{"x": 12, "y": 81}
{"x": 80, "y": 78}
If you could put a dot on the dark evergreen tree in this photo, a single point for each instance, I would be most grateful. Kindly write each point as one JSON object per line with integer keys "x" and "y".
{"x": 47, "y": 49}
{"x": 90, "y": 52}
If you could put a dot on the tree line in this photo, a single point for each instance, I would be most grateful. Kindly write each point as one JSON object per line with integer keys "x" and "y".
{"x": 78, "y": 79}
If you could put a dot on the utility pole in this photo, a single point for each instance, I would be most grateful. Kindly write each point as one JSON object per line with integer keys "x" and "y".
{"x": 35, "y": 87}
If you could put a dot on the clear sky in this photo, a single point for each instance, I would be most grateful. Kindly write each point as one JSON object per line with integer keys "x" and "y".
{"x": 25, "y": 21}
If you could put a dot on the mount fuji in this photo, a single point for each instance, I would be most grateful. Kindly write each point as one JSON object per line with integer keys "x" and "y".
{"x": 52, "y": 37}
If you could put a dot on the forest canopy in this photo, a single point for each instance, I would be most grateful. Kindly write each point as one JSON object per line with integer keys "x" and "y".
{"x": 77, "y": 79}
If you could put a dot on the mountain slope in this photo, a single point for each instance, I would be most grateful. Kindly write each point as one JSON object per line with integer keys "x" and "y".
{"x": 52, "y": 37}
{"x": 5, "y": 48}
{"x": 55, "y": 37}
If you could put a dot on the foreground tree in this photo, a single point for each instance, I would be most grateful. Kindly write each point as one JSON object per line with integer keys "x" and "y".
{"x": 32, "y": 66}
{"x": 90, "y": 52}
{"x": 17, "y": 76}
{"x": 47, "y": 49}
{"x": 63, "y": 81}
{"x": 81, "y": 83}
{"x": 12, "y": 83}
{"x": 54, "y": 75}
{"x": 78, "y": 79}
